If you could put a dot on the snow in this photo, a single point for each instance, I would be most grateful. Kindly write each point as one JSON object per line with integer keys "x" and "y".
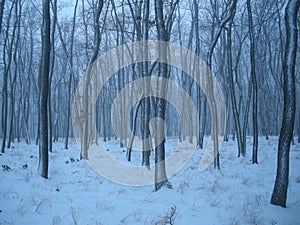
{"x": 74, "y": 194}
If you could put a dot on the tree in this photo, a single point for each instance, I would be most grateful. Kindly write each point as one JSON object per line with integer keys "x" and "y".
{"x": 18, "y": 10}
{"x": 279, "y": 194}
{"x": 214, "y": 39}
{"x": 52, "y": 63}
{"x": 254, "y": 84}
{"x": 2, "y": 2}
{"x": 69, "y": 54}
{"x": 97, "y": 39}
{"x": 163, "y": 32}
{"x": 7, "y": 59}
{"x": 44, "y": 79}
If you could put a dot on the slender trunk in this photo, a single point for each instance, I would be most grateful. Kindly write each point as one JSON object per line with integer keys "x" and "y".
{"x": 5, "y": 75}
{"x": 44, "y": 77}
{"x": 233, "y": 96}
{"x": 279, "y": 194}
{"x": 299, "y": 126}
{"x": 18, "y": 10}
{"x": 70, "y": 77}
{"x": 53, "y": 29}
{"x": 160, "y": 176}
{"x": 254, "y": 83}
{"x": 146, "y": 112}
{"x": 86, "y": 101}
{"x": 2, "y": 2}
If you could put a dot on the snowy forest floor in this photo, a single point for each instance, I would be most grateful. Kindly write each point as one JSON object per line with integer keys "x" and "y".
{"x": 74, "y": 194}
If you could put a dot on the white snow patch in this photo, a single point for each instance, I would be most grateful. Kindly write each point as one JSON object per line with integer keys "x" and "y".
{"x": 74, "y": 194}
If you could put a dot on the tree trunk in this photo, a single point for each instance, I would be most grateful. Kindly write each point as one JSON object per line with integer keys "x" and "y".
{"x": 235, "y": 110}
{"x": 254, "y": 84}
{"x": 7, "y": 65}
{"x": 18, "y": 9}
{"x": 299, "y": 126}
{"x": 279, "y": 194}
{"x": 2, "y": 2}
{"x": 54, "y": 9}
{"x": 44, "y": 77}
{"x": 97, "y": 39}
{"x": 160, "y": 168}
{"x": 146, "y": 112}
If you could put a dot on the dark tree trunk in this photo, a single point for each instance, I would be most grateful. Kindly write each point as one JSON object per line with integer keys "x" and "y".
{"x": 54, "y": 9}
{"x": 254, "y": 84}
{"x": 44, "y": 77}
{"x": 97, "y": 40}
{"x": 146, "y": 111}
{"x": 2, "y": 2}
{"x": 299, "y": 127}
{"x": 236, "y": 115}
{"x": 7, "y": 64}
{"x": 18, "y": 10}
{"x": 279, "y": 195}
{"x": 160, "y": 176}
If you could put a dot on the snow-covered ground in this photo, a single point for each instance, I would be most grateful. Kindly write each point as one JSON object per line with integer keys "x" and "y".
{"x": 74, "y": 194}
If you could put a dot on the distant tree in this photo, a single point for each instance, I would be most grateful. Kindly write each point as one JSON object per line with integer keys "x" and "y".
{"x": 254, "y": 83}
{"x": 52, "y": 63}
{"x": 97, "y": 8}
{"x": 18, "y": 10}
{"x": 44, "y": 79}
{"x": 2, "y": 2}
{"x": 7, "y": 60}
{"x": 279, "y": 195}
{"x": 69, "y": 54}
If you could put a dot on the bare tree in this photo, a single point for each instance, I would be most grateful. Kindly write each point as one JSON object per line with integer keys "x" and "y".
{"x": 97, "y": 39}
{"x": 18, "y": 10}
{"x": 44, "y": 78}
{"x": 227, "y": 19}
{"x": 52, "y": 64}
{"x": 7, "y": 59}
{"x": 163, "y": 29}
{"x": 2, "y": 2}
{"x": 69, "y": 54}
{"x": 254, "y": 84}
{"x": 279, "y": 194}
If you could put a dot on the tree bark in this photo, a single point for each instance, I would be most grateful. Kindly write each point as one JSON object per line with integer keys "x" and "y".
{"x": 7, "y": 63}
{"x": 160, "y": 168}
{"x": 54, "y": 9}
{"x": 254, "y": 84}
{"x": 97, "y": 40}
{"x": 279, "y": 194}
{"x": 146, "y": 112}
{"x": 2, "y": 2}
{"x": 44, "y": 78}
{"x": 18, "y": 10}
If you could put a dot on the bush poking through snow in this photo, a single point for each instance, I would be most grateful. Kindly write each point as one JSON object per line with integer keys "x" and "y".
{"x": 25, "y": 166}
{"x": 167, "y": 219}
{"x": 6, "y": 167}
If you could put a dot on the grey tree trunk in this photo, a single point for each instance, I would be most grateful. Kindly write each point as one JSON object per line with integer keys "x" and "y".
{"x": 163, "y": 30}
{"x": 279, "y": 194}
{"x": 54, "y": 9}
{"x": 160, "y": 168}
{"x": 44, "y": 78}
{"x": 254, "y": 84}
{"x": 2, "y": 2}
{"x": 7, "y": 64}
{"x": 299, "y": 127}
{"x": 146, "y": 111}
{"x": 69, "y": 54}
{"x": 97, "y": 39}
{"x": 18, "y": 10}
